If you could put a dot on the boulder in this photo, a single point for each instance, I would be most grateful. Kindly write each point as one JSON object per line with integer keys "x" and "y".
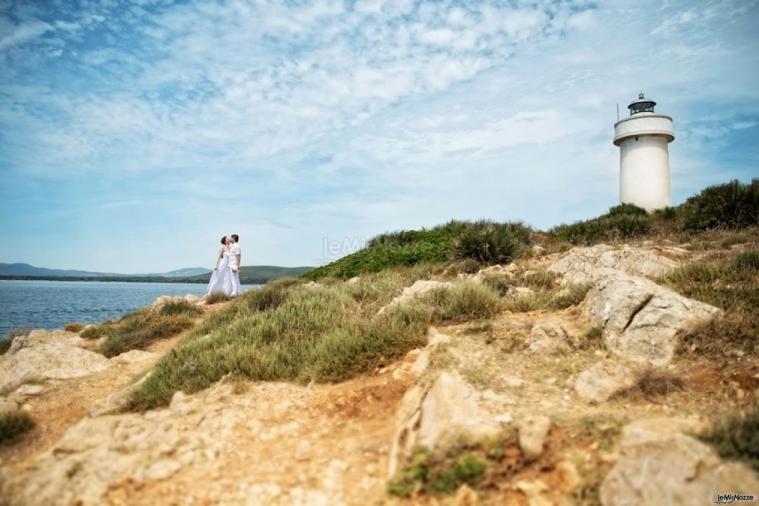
{"x": 668, "y": 467}
{"x": 48, "y": 361}
{"x": 604, "y": 379}
{"x": 641, "y": 320}
{"x": 533, "y": 431}
{"x": 444, "y": 414}
{"x": 419, "y": 288}
{"x": 550, "y": 335}
{"x": 588, "y": 264}
{"x": 41, "y": 336}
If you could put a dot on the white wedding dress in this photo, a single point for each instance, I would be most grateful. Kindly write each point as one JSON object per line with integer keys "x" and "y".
{"x": 223, "y": 279}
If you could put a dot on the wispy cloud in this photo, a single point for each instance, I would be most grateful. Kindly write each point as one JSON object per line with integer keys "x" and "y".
{"x": 302, "y": 119}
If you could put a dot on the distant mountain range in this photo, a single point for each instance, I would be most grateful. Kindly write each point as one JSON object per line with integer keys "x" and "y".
{"x": 251, "y": 274}
{"x": 30, "y": 270}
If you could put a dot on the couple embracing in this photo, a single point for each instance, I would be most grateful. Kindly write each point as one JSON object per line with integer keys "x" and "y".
{"x": 226, "y": 275}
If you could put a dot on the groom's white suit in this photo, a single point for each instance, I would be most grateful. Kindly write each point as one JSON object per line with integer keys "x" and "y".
{"x": 234, "y": 264}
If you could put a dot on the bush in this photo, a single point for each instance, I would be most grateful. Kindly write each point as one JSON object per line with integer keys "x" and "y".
{"x": 463, "y": 301}
{"x": 737, "y": 437}
{"x": 94, "y": 332}
{"x": 629, "y": 209}
{"x": 609, "y": 227}
{"x": 481, "y": 241}
{"x": 5, "y": 344}
{"x": 13, "y": 425}
{"x": 489, "y": 243}
{"x": 730, "y": 205}
{"x": 74, "y": 327}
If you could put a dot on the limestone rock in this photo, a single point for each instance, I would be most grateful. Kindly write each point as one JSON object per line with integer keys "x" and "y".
{"x": 584, "y": 265}
{"x": 419, "y": 288}
{"x": 192, "y": 299}
{"x": 533, "y": 431}
{"x": 41, "y": 336}
{"x": 131, "y": 356}
{"x": 444, "y": 414}
{"x": 48, "y": 361}
{"x": 641, "y": 320}
{"x": 550, "y": 335}
{"x": 604, "y": 379}
{"x": 661, "y": 428}
{"x": 671, "y": 468}
{"x": 97, "y": 453}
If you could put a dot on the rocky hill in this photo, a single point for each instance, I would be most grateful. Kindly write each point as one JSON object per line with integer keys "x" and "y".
{"x": 615, "y": 373}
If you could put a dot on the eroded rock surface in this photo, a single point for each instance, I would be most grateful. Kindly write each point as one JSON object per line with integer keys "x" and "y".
{"x": 604, "y": 379}
{"x": 584, "y": 265}
{"x": 661, "y": 465}
{"x": 641, "y": 320}
{"x": 417, "y": 289}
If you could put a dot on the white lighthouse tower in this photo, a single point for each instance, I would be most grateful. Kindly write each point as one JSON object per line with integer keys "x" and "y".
{"x": 643, "y": 156}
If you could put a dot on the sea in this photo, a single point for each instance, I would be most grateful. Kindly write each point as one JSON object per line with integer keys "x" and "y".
{"x": 53, "y": 304}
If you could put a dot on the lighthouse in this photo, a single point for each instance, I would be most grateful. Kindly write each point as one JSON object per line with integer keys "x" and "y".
{"x": 643, "y": 156}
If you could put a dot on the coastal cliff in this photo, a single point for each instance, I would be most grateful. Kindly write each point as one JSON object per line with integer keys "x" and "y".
{"x": 613, "y": 372}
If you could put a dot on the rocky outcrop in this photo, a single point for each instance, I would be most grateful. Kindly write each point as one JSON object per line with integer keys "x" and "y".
{"x": 641, "y": 320}
{"x": 661, "y": 465}
{"x": 98, "y": 452}
{"x": 533, "y": 431}
{"x": 49, "y": 360}
{"x": 40, "y": 336}
{"x": 584, "y": 265}
{"x": 417, "y": 289}
{"x": 437, "y": 417}
{"x": 604, "y": 379}
{"x": 190, "y": 298}
{"x": 551, "y": 335}
{"x": 118, "y": 400}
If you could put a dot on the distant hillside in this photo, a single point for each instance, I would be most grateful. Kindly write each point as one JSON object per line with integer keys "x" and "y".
{"x": 258, "y": 274}
{"x": 26, "y": 270}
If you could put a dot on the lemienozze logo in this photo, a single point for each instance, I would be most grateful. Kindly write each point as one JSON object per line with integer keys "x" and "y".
{"x": 731, "y": 498}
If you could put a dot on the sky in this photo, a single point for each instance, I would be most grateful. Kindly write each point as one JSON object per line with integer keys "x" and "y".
{"x": 133, "y": 135}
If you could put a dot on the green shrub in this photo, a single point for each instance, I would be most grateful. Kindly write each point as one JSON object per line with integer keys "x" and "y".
{"x": 608, "y": 227}
{"x": 94, "y": 332}
{"x": 13, "y": 424}
{"x": 481, "y": 241}
{"x": 730, "y": 205}
{"x": 737, "y": 437}
{"x": 629, "y": 209}
{"x": 489, "y": 243}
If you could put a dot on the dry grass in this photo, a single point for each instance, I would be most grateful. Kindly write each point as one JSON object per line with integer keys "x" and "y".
{"x": 737, "y": 437}
{"x": 216, "y": 298}
{"x": 653, "y": 383}
{"x": 74, "y": 327}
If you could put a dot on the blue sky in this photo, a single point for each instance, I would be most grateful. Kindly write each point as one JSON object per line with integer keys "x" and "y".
{"x": 134, "y": 134}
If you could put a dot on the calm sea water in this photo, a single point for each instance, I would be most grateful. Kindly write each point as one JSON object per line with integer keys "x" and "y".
{"x": 52, "y": 304}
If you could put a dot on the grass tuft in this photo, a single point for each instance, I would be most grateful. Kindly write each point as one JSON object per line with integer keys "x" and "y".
{"x": 737, "y": 437}
{"x": 13, "y": 424}
{"x": 216, "y": 298}
{"x": 74, "y": 327}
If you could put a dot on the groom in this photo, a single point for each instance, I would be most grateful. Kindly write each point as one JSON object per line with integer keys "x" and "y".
{"x": 234, "y": 263}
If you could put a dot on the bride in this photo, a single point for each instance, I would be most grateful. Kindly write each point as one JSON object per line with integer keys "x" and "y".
{"x": 222, "y": 278}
